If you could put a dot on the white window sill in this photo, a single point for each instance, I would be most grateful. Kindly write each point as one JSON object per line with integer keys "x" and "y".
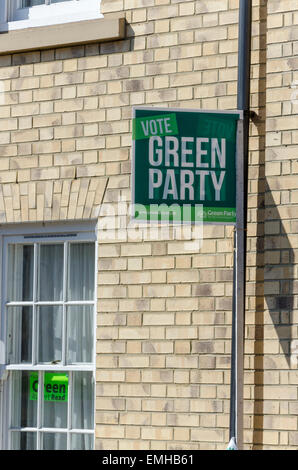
{"x": 15, "y": 16}
{"x": 61, "y": 35}
{"x": 38, "y": 22}
{"x": 49, "y": 367}
{"x": 59, "y": 13}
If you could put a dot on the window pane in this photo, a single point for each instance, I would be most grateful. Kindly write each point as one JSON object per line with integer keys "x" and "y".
{"x": 50, "y": 333}
{"x": 81, "y": 269}
{"x": 81, "y": 442}
{"x": 55, "y": 399}
{"x": 51, "y": 272}
{"x": 20, "y": 273}
{"x": 24, "y": 399}
{"x": 19, "y": 335}
{"x": 54, "y": 441}
{"x": 31, "y": 3}
{"x": 82, "y": 406}
{"x": 80, "y": 334}
{"x": 23, "y": 440}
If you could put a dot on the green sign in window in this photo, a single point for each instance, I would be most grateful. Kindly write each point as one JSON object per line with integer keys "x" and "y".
{"x": 55, "y": 386}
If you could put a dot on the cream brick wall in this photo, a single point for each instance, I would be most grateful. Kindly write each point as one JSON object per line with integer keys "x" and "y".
{"x": 164, "y": 315}
{"x": 277, "y": 325}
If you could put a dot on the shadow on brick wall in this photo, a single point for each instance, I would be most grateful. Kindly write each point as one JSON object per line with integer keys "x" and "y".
{"x": 279, "y": 276}
{"x": 274, "y": 259}
{"x": 275, "y": 277}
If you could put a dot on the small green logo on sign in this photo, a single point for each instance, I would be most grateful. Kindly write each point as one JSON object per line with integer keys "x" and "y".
{"x": 55, "y": 386}
{"x": 146, "y": 127}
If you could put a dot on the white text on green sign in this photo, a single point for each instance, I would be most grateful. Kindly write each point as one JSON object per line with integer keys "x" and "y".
{"x": 174, "y": 152}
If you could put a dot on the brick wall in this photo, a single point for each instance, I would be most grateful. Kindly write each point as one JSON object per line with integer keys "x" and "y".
{"x": 278, "y": 323}
{"x": 164, "y": 315}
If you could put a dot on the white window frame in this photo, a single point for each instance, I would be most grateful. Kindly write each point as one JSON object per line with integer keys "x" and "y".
{"x": 50, "y": 234}
{"x": 13, "y": 16}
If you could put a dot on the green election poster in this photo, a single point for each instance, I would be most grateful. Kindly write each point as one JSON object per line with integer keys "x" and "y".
{"x": 184, "y": 159}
